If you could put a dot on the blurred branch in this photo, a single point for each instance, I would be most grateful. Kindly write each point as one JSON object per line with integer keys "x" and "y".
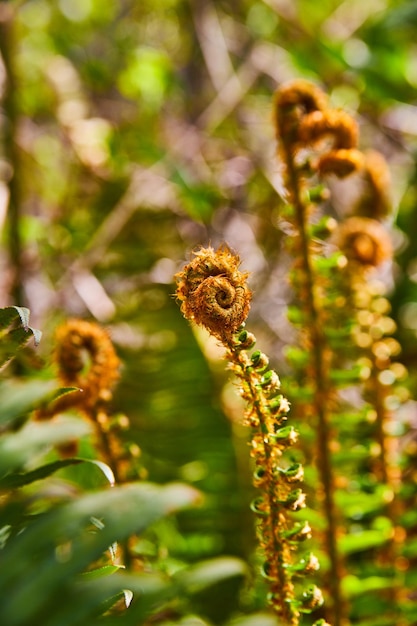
{"x": 229, "y": 95}
{"x": 347, "y": 19}
{"x": 284, "y": 8}
{"x": 148, "y": 187}
{"x": 212, "y": 43}
{"x": 11, "y": 153}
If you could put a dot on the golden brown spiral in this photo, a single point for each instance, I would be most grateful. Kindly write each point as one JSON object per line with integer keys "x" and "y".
{"x": 332, "y": 123}
{"x": 86, "y": 359}
{"x": 342, "y": 158}
{"x": 213, "y": 292}
{"x": 293, "y": 101}
{"x": 364, "y": 241}
{"x": 303, "y": 118}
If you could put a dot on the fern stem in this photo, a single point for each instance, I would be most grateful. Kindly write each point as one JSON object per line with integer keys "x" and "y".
{"x": 214, "y": 294}
{"x": 275, "y": 520}
{"x": 321, "y": 381}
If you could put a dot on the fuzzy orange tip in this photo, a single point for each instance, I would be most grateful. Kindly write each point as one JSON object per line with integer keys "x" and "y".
{"x": 86, "y": 359}
{"x": 213, "y": 292}
{"x": 364, "y": 241}
{"x": 300, "y": 93}
{"x": 331, "y": 123}
{"x": 341, "y": 163}
{"x": 293, "y": 101}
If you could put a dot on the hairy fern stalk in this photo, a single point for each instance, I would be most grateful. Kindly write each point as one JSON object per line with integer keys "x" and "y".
{"x": 347, "y": 378}
{"x": 213, "y": 293}
{"x": 347, "y": 367}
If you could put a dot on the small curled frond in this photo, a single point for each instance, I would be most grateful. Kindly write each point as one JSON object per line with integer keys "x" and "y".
{"x": 341, "y": 157}
{"x": 336, "y": 297}
{"x": 341, "y": 162}
{"x": 86, "y": 359}
{"x": 301, "y": 93}
{"x": 364, "y": 241}
{"x": 213, "y": 291}
{"x": 294, "y": 100}
{"x": 336, "y": 124}
{"x": 304, "y": 120}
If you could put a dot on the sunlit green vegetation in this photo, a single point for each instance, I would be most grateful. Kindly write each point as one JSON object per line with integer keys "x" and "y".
{"x": 130, "y": 134}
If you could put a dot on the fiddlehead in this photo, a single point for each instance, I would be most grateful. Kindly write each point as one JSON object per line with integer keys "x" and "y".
{"x": 364, "y": 241}
{"x": 86, "y": 360}
{"x": 340, "y": 313}
{"x": 214, "y": 294}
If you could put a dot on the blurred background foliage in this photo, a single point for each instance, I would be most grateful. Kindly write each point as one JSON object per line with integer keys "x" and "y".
{"x": 131, "y": 132}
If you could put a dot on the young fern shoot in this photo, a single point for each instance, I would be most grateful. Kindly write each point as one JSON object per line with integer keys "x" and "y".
{"x": 338, "y": 246}
{"x": 87, "y": 361}
{"x": 214, "y": 294}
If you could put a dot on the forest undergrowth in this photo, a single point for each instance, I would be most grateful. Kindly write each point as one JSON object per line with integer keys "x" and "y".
{"x": 88, "y": 535}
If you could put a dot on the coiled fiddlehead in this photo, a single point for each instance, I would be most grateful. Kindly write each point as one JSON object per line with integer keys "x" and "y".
{"x": 340, "y": 312}
{"x": 87, "y": 361}
{"x": 364, "y": 241}
{"x": 214, "y": 294}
